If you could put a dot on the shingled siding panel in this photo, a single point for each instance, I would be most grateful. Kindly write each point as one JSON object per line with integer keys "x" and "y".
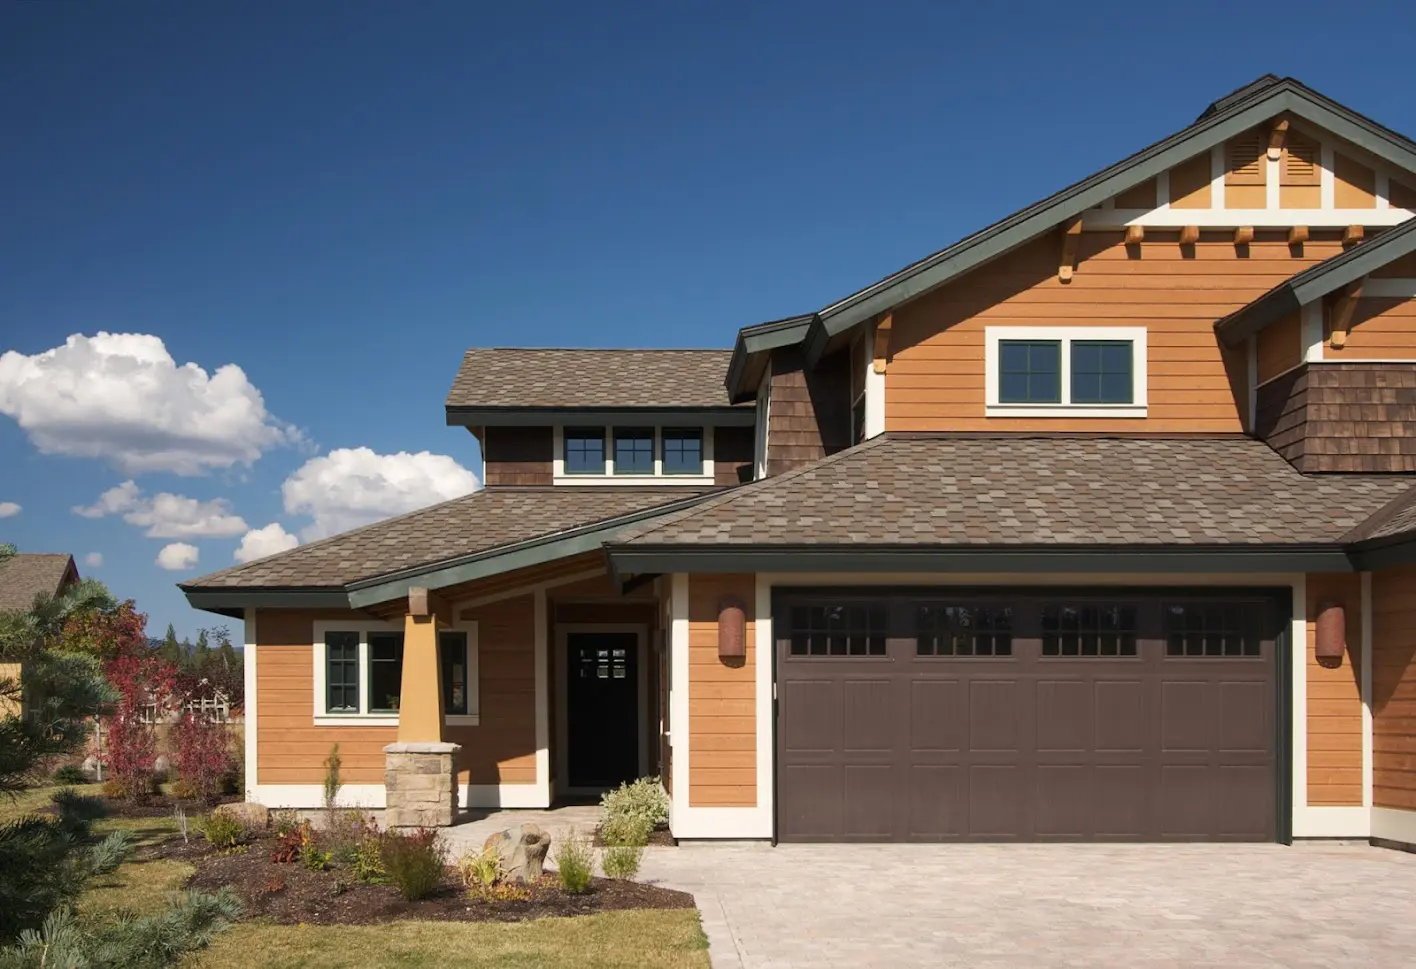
{"x": 808, "y": 414}
{"x": 732, "y": 455}
{"x": 518, "y": 455}
{"x": 1394, "y": 688}
{"x": 1355, "y": 417}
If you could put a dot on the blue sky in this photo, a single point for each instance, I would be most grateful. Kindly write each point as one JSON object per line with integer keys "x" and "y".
{"x": 338, "y": 198}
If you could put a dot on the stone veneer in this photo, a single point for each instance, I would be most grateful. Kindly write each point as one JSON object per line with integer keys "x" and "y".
{"x": 420, "y": 787}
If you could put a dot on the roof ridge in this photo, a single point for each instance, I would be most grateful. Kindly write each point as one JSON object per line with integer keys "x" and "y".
{"x": 599, "y": 349}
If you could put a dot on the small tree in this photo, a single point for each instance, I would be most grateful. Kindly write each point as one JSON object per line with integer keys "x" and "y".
{"x": 332, "y": 782}
{"x": 143, "y": 683}
{"x": 202, "y": 751}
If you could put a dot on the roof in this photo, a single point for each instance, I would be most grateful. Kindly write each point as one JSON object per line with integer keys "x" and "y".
{"x": 1317, "y": 281}
{"x": 932, "y": 490}
{"x": 510, "y": 379}
{"x": 28, "y": 574}
{"x": 482, "y": 522}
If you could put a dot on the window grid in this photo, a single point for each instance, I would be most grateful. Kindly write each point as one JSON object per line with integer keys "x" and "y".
{"x": 1213, "y": 629}
{"x": 847, "y": 630}
{"x": 1030, "y": 371}
{"x": 959, "y": 630}
{"x": 634, "y": 450}
{"x": 584, "y": 450}
{"x": 1102, "y": 372}
{"x": 342, "y": 672}
{"x": 385, "y": 671}
{"x": 1089, "y": 629}
{"x": 682, "y": 450}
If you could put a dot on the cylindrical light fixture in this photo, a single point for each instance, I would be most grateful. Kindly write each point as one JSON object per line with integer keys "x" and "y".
{"x": 732, "y": 628}
{"x": 1330, "y": 631}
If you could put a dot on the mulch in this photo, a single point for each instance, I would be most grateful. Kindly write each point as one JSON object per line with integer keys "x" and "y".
{"x": 290, "y": 894}
{"x": 658, "y": 838}
{"x": 161, "y": 806}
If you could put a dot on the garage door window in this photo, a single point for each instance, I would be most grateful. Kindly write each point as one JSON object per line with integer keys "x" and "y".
{"x": 960, "y": 630}
{"x": 849, "y": 630}
{"x": 1213, "y": 629}
{"x": 1097, "y": 629}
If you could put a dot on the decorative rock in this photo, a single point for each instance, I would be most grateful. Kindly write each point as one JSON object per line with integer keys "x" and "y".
{"x": 91, "y": 765}
{"x": 522, "y": 851}
{"x": 256, "y": 815}
{"x": 161, "y": 766}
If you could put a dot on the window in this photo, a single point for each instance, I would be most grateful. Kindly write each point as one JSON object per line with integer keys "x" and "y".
{"x": 585, "y": 450}
{"x": 1042, "y": 371}
{"x": 957, "y": 630}
{"x": 456, "y": 663}
{"x": 342, "y": 672}
{"x": 849, "y": 630}
{"x": 1089, "y": 630}
{"x": 385, "y": 671}
{"x": 634, "y": 450}
{"x": 1213, "y": 629}
{"x": 682, "y": 451}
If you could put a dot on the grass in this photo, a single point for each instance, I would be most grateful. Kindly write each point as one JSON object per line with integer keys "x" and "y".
{"x": 611, "y": 940}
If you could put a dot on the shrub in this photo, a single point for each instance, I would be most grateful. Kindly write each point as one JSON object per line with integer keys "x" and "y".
{"x": 224, "y": 831}
{"x": 367, "y": 865}
{"x": 312, "y": 857}
{"x": 575, "y": 864}
{"x": 622, "y": 861}
{"x": 480, "y": 870}
{"x": 643, "y": 800}
{"x": 182, "y": 790}
{"x": 344, "y": 833}
{"x": 288, "y": 847}
{"x": 130, "y": 746}
{"x": 77, "y": 811}
{"x": 284, "y": 821}
{"x": 332, "y": 782}
{"x": 625, "y": 830}
{"x": 416, "y": 862}
{"x": 202, "y": 753}
{"x": 70, "y": 774}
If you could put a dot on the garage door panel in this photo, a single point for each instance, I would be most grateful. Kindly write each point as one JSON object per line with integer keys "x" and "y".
{"x": 996, "y": 801}
{"x": 937, "y": 805}
{"x": 1119, "y": 716}
{"x": 995, "y": 708}
{"x": 1064, "y": 716}
{"x": 815, "y": 723}
{"x": 869, "y": 803}
{"x": 1247, "y": 792}
{"x": 1185, "y": 716}
{"x": 937, "y": 716}
{"x": 1063, "y": 799}
{"x": 809, "y": 801}
{"x": 1120, "y": 802}
{"x": 867, "y": 716}
{"x": 1187, "y": 802}
{"x": 1244, "y": 724}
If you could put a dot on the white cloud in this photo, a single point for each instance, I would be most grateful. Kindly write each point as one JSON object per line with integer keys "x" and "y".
{"x": 8, "y": 509}
{"x": 260, "y": 542}
{"x": 350, "y": 487}
{"x": 94, "y": 560}
{"x": 166, "y": 515}
{"x": 120, "y": 397}
{"x": 177, "y": 556}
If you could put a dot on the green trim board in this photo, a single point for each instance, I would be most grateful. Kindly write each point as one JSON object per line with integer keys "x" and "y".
{"x": 545, "y": 416}
{"x": 1315, "y": 282}
{"x": 753, "y": 343}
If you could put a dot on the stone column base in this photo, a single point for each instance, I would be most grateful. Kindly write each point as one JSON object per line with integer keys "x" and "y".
{"x": 420, "y": 785}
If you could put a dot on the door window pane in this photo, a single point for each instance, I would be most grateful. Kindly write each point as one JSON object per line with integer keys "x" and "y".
{"x": 453, "y": 646}
{"x": 683, "y": 450}
{"x": 341, "y": 672}
{"x": 584, "y": 450}
{"x": 1030, "y": 371}
{"x": 1089, "y": 629}
{"x": 634, "y": 450}
{"x": 385, "y": 671}
{"x": 1101, "y": 372}
{"x": 959, "y": 630}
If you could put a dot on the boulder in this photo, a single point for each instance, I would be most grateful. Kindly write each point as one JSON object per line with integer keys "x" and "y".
{"x": 255, "y": 815}
{"x": 91, "y": 765}
{"x": 521, "y": 850}
{"x": 161, "y": 767}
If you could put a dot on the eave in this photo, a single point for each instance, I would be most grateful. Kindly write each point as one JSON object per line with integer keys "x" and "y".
{"x": 473, "y": 417}
{"x": 750, "y": 352}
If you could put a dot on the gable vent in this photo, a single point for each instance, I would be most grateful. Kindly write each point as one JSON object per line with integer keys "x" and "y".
{"x": 1300, "y": 162}
{"x": 1244, "y": 159}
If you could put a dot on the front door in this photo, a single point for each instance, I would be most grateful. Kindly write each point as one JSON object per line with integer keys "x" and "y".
{"x": 602, "y": 706}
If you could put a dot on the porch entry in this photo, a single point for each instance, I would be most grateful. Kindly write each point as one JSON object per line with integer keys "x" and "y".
{"x": 604, "y": 707}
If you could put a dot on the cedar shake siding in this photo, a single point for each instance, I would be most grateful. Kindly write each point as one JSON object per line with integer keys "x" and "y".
{"x": 722, "y": 704}
{"x": 1394, "y": 688}
{"x": 1342, "y": 416}
{"x": 732, "y": 455}
{"x": 808, "y": 412}
{"x": 936, "y": 375}
{"x": 1335, "y": 698}
{"x": 517, "y": 455}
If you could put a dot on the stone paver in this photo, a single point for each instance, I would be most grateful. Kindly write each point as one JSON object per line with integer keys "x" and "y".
{"x": 1040, "y": 906}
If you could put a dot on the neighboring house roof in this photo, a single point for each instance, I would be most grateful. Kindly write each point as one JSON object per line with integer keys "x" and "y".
{"x": 938, "y": 491}
{"x": 483, "y": 525}
{"x": 28, "y": 574}
{"x": 497, "y": 381}
{"x": 1225, "y": 118}
{"x": 1317, "y": 281}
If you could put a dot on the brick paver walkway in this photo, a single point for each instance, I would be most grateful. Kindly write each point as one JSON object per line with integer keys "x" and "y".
{"x": 1040, "y": 906}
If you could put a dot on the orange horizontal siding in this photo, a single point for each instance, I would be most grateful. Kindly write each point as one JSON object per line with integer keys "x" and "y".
{"x": 722, "y": 714}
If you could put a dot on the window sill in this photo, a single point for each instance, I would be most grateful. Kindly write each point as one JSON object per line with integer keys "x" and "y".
{"x": 356, "y": 719}
{"x": 462, "y": 720}
{"x": 1066, "y": 410}
{"x": 602, "y": 480}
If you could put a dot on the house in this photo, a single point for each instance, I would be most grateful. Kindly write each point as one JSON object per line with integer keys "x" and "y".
{"x": 24, "y": 576}
{"x": 1098, "y": 524}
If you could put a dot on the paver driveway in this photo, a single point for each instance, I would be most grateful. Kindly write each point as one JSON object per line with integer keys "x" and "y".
{"x": 1049, "y": 905}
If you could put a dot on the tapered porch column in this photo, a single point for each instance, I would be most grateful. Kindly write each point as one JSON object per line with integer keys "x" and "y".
{"x": 420, "y": 776}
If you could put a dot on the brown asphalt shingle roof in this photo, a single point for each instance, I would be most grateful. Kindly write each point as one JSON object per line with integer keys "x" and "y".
{"x": 1044, "y": 490}
{"x": 478, "y": 522}
{"x": 515, "y": 378}
{"x": 1394, "y": 521}
{"x": 24, "y": 576}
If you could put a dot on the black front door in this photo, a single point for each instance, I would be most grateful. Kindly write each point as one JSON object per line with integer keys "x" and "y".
{"x": 602, "y": 703}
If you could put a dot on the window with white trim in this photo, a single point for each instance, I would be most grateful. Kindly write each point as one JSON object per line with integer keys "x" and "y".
{"x": 633, "y": 454}
{"x": 358, "y": 672}
{"x": 1095, "y": 371}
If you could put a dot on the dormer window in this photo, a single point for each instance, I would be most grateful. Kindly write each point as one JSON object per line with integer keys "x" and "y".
{"x": 634, "y": 450}
{"x": 683, "y": 450}
{"x": 630, "y": 455}
{"x": 1095, "y": 371}
{"x": 584, "y": 450}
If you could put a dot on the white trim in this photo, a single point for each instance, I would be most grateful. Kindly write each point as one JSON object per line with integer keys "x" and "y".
{"x": 540, "y": 648}
{"x": 503, "y": 796}
{"x": 678, "y": 699}
{"x": 1168, "y": 218}
{"x": 1366, "y": 687}
{"x": 1392, "y": 287}
{"x": 874, "y": 388}
{"x": 1136, "y": 335}
{"x": 373, "y": 796}
{"x": 1251, "y": 351}
{"x": 1271, "y": 182}
{"x": 762, "y": 427}
{"x": 1298, "y": 684}
{"x": 608, "y": 477}
{"x": 765, "y": 646}
{"x": 1332, "y": 822}
{"x": 563, "y": 633}
{"x": 1217, "y": 173}
{"x": 1394, "y": 824}
{"x": 1327, "y": 176}
{"x": 248, "y": 664}
{"x": 473, "y": 716}
{"x": 1312, "y": 330}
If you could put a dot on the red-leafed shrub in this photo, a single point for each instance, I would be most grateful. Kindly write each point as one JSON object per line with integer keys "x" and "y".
{"x": 144, "y": 687}
{"x": 202, "y": 752}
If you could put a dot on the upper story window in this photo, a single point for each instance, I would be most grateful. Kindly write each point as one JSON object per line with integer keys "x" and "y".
{"x": 1065, "y": 371}
{"x": 624, "y": 455}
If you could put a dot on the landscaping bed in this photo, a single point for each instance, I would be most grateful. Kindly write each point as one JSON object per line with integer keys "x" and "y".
{"x": 658, "y": 838}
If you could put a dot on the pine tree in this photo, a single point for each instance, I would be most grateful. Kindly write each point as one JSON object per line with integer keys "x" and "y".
{"x": 171, "y": 649}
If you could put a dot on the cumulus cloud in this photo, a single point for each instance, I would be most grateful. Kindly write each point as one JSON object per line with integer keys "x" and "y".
{"x": 94, "y": 560}
{"x": 166, "y": 515}
{"x": 177, "y": 556}
{"x": 121, "y": 398}
{"x": 350, "y": 487}
{"x": 260, "y": 542}
{"x": 8, "y": 509}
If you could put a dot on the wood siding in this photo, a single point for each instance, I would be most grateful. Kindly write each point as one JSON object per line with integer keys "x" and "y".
{"x": 1358, "y": 417}
{"x": 1394, "y": 688}
{"x": 1354, "y": 184}
{"x": 1335, "y": 698}
{"x": 722, "y": 699}
{"x": 1279, "y": 347}
{"x": 809, "y": 413}
{"x": 1381, "y": 329}
{"x": 732, "y": 454}
{"x": 936, "y": 377}
{"x": 518, "y": 455}
{"x": 501, "y": 749}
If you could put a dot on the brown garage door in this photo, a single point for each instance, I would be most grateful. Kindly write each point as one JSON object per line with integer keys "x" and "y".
{"x": 991, "y": 718}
